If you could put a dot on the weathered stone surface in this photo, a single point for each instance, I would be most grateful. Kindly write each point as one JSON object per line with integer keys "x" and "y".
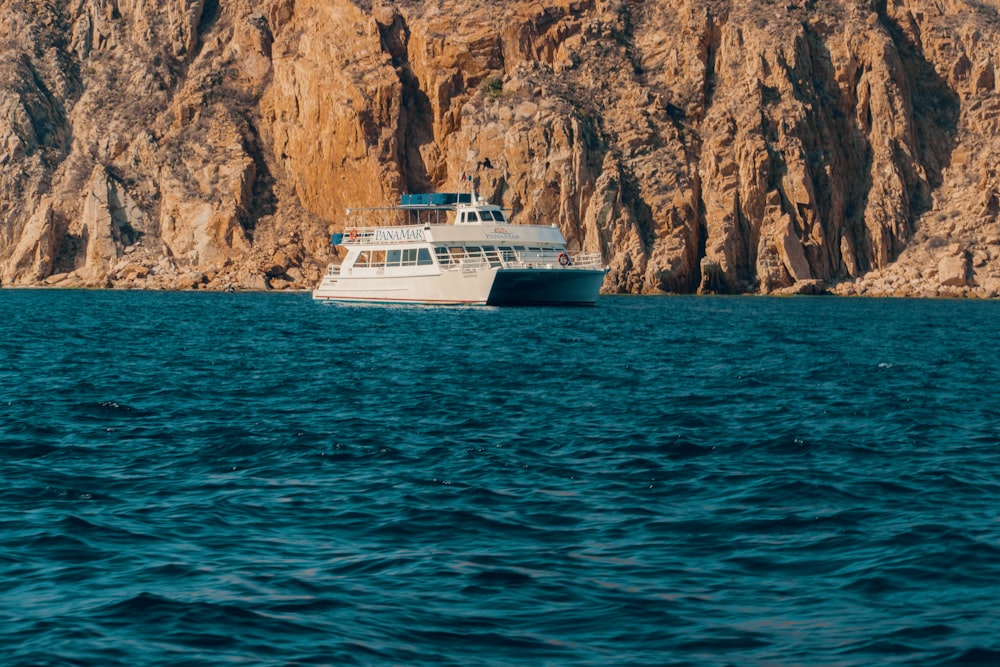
{"x": 711, "y": 146}
{"x": 953, "y": 271}
{"x": 32, "y": 259}
{"x": 133, "y": 272}
{"x": 809, "y": 287}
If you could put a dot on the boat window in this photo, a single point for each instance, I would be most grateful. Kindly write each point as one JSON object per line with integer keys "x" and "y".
{"x": 424, "y": 257}
{"x": 392, "y": 258}
{"x": 409, "y": 256}
{"x": 498, "y": 216}
{"x": 457, "y": 252}
{"x": 377, "y": 257}
{"x": 473, "y": 216}
{"x": 363, "y": 259}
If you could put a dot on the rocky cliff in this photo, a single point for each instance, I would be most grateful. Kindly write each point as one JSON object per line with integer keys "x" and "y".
{"x": 712, "y": 146}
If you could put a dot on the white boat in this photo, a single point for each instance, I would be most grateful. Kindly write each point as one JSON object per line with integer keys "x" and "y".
{"x": 455, "y": 248}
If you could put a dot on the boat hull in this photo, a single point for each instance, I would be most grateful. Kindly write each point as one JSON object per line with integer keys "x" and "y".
{"x": 545, "y": 287}
{"x": 485, "y": 287}
{"x": 460, "y": 288}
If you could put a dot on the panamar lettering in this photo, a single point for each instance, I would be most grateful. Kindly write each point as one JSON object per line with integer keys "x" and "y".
{"x": 399, "y": 235}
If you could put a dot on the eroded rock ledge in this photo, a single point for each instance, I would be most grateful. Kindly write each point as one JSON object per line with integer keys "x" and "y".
{"x": 795, "y": 147}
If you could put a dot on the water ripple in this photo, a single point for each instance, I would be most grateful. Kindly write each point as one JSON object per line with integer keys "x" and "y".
{"x": 260, "y": 479}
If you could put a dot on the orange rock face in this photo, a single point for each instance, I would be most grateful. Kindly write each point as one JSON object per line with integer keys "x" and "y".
{"x": 711, "y": 146}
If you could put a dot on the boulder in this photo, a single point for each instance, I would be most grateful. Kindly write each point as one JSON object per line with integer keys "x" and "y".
{"x": 953, "y": 271}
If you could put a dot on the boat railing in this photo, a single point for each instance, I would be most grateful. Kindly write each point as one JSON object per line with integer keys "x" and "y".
{"x": 587, "y": 260}
{"x": 394, "y": 216}
{"x": 408, "y": 216}
{"x": 515, "y": 259}
{"x": 550, "y": 258}
{"x": 473, "y": 263}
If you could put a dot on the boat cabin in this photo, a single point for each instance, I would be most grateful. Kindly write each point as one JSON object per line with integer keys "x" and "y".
{"x": 482, "y": 214}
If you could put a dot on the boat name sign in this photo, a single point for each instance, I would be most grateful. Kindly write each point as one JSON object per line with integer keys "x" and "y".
{"x": 399, "y": 234}
{"x": 499, "y": 233}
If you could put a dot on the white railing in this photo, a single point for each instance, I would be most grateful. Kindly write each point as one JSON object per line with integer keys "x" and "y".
{"x": 472, "y": 263}
{"x": 527, "y": 259}
{"x": 587, "y": 260}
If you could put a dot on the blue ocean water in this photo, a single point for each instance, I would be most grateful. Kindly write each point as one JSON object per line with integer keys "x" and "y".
{"x": 196, "y": 479}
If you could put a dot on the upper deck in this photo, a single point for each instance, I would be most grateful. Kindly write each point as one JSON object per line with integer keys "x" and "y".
{"x": 440, "y": 217}
{"x": 442, "y": 208}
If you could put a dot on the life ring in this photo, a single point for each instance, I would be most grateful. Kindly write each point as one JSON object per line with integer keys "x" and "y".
{"x": 564, "y": 259}
{"x": 353, "y": 234}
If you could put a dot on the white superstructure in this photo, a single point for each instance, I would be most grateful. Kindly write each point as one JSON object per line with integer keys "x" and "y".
{"x": 451, "y": 248}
